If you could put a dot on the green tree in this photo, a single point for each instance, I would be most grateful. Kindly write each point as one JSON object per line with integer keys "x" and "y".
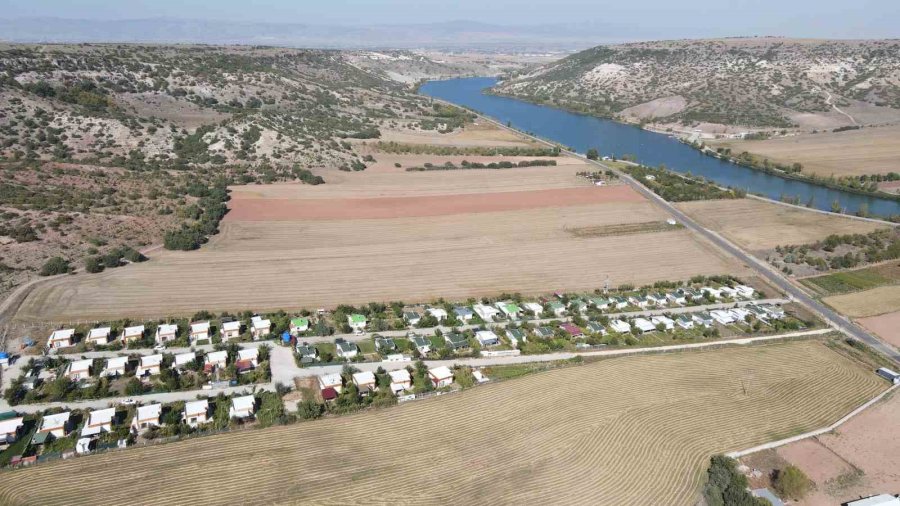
{"x": 592, "y": 154}
{"x": 309, "y": 409}
{"x": 792, "y": 483}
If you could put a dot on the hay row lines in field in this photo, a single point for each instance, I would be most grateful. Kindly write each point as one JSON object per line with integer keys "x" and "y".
{"x": 619, "y": 431}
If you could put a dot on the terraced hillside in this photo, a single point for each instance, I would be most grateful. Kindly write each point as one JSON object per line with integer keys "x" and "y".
{"x": 635, "y": 430}
{"x": 753, "y": 82}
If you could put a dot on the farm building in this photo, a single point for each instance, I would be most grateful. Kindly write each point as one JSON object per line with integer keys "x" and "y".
{"x": 365, "y": 382}
{"x": 456, "y": 341}
{"x": 242, "y": 407}
{"x": 79, "y": 369}
{"x": 149, "y": 365}
{"x": 644, "y": 325}
{"x": 889, "y": 375}
{"x": 385, "y": 344}
{"x": 298, "y": 326}
{"x": 479, "y": 376}
{"x": 115, "y": 367}
{"x": 230, "y": 330}
{"x": 640, "y": 301}
{"x": 667, "y": 323}
{"x": 439, "y": 314}
{"x": 57, "y": 425}
{"x": 196, "y": 412}
{"x": 596, "y": 328}
{"x": 620, "y": 326}
{"x": 515, "y": 337}
{"x": 132, "y": 333}
{"x": 619, "y": 302}
{"x": 509, "y": 310}
{"x": 677, "y": 297}
{"x": 557, "y": 308}
{"x": 422, "y": 345}
{"x": 345, "y": 349}
{"x": 357, "y": 322}
{"x": 332, "y": 380}
{"x": 485, "y": 312}
{"x": 684, "y": 322}
{"x": 400, "y": 381}
{"x": 99, "y": 336}
{"x": 9, "y": 430}
{"x": 722, "y": 316}
{"x": 745, "y": 291}
{"x": 658, "y": 299}
{"x": 307, "y": 353}
{"x": 146, "y": 417}
{"x": 247, "y": 360}
{"x": 572, "y": 330}
{"x": 600, "y": 302}
{"x": 182, "y": 360}
{"x": 578, "y": 307}
{"x": 464, "y": 314}
{"x": 440, "y": 376}
{"x": 61, "y": 338}
{"x": 215, "y": 360}
{"x": 260, "y": 327}
{"x": 412, "y": 317}
{"x": 775, "y": 312}
{"x": 487, "y": 338}
{"x": 543, "y": 332}
{"x": 166, "y": 332}
{"x": 534, "y": 308}
{"x": 99, "y": 420}
{"x": 702, "y": 318}
{"x": 199, "y": 331}
{"x": 712, "y": 292}
{"x": 877, "y": 500}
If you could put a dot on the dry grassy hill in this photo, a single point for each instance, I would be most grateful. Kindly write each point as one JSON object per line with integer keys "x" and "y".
{"x": 752, "y": 82}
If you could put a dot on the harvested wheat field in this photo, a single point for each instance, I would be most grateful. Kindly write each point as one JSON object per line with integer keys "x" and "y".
{"x": 635, "y": 430}
{"x": 876, "y": 301}
{"x": 757, "y": 225}
{"x": 478, "y": 133}
{"x": 860, "y": 459}
{"x": 323, "y": 263}
{"x": 886, "y": 326}
{"x": 872, "y": 150}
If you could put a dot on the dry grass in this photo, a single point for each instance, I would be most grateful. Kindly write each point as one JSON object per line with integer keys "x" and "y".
{"x": 876, "y": 301}
{"x": 635, "y": 430}
{"x": 886, "y": 326}
{"x": 756, "y": 225}
{"x": 478, "y": 133}
{"x": 309, "y": 264}
{"x": 871, "y": 150}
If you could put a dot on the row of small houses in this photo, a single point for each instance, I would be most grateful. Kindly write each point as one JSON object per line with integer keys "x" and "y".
{"x": 60, "y": 425}
{"x": 165, "y": 333}
{"x": 512, "y": 311}
{"x": 488, "y": 338}
{"x": 331, "y": 385}
{"x": 150, "y": 365}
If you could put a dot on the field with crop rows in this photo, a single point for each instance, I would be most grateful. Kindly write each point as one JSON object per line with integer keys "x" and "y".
{"x": 636, "y": 430}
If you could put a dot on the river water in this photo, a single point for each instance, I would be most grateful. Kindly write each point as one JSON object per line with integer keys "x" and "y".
{"x": 582, "y": 132}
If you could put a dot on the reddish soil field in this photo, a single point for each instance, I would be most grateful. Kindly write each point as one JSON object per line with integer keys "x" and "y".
{"x": 256, "y": 209}
{"x": 887, "y": 326}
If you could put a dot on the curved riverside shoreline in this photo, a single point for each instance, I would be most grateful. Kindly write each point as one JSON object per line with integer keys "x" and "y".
{"x": 581, "y": 132}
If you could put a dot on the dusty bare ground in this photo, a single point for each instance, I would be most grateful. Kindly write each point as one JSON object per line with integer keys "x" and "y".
{"x": 636, "y": 430}
{"x": 478, "y": 133}
{"x": 886, "y": 326}
{"x": 860, "y": 459}
{"x": 871, "y": 150}
{"x": 308, "y": 264}
{"x": 876, "y": 301}
{"x": 758, "y": 225}
{"x": 262, "y": 210}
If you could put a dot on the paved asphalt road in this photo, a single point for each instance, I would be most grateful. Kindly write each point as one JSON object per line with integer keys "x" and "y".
{"x": 775, "y": 277}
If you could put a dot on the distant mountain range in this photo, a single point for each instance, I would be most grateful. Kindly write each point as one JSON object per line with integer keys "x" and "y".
{"x": 449, "y": 35}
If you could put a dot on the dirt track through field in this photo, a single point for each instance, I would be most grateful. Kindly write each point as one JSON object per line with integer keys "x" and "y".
{"x": 635, "y": 430}
{"x": 250, "y": 209}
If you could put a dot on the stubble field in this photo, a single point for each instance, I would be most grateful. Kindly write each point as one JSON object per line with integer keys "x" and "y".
{"x": 758, "y": 226}
{"x": 872, "y": 150}
{"x": 635, "y": 430}
{"x": 387, "y": 234}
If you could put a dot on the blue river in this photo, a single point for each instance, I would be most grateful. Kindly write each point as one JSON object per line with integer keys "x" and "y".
{"x": 582, "y": 132}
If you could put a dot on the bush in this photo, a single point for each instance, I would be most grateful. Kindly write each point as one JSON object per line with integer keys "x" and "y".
{"x": 54, "y": 266}
{"x": 792, "y": 483}
{"x": 310, "y": 410}
{"x": 92, "y": 265}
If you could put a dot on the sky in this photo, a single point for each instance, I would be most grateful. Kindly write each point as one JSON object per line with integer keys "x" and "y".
{"x": 802, "y": 18}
